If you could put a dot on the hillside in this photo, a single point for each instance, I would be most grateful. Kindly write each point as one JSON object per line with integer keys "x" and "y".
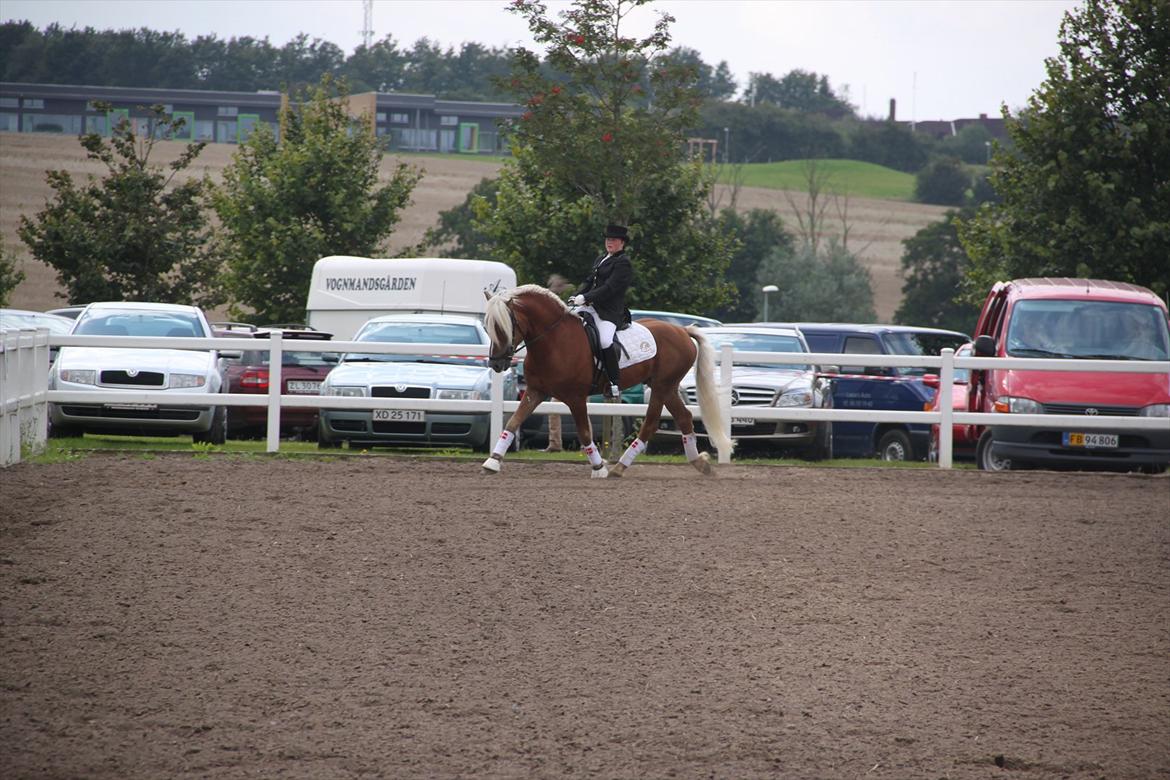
{"x": 877, "y": 227}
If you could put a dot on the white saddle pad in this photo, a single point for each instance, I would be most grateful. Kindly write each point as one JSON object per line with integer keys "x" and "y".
{"x": 639, "y": 343}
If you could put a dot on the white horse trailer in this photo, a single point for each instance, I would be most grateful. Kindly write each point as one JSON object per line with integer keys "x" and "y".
{"x": 346, "y": 291}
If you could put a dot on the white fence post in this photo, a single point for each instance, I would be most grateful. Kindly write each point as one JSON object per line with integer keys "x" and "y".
{"x": 725, "y": 383}
{"x": 275, "y": 383}
{"x": 946, "y": 408}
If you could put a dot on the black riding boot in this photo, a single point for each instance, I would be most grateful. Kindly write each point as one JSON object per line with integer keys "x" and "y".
{"x": 610, "y": 358}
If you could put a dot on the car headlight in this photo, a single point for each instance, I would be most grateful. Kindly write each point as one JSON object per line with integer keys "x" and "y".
{"x": 1155, "y": 410}
{"x": 79, "y": 376}
{"x": 459, "y": 395}
{"x": 795, "y": 398}
{"x": 1007, "y": 404}
{"x": 187, "y": 380}
{"x": 347, "y": 391}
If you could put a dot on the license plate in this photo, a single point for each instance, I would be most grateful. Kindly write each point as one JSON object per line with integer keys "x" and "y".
{"x": 133, "y": 407}
{"x": 743, "y": 421}
{"x": 399, "y": 415}
{"x": 301, "y": 386}
{"x": 1091, "y": 440}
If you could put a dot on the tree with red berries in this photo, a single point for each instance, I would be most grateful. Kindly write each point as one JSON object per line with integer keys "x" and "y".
{"x": 602, "y": 139}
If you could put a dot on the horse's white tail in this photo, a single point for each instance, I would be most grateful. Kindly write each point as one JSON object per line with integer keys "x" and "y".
{"x": 709, "y": 392}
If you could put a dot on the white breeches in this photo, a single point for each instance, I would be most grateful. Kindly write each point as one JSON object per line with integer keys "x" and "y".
{"x": 605, "y": 328}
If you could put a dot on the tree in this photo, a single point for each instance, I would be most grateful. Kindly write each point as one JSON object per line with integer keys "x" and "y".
{"x": 1085, "y": 189}
{"x": 601, "y": 141}
{"x": 10, "y": 275}
{"x": 827, "y": 286}
{"x": 943, "y": 182}
{"x": 799, "y": 90}
{"x": 136, "y": 234}
{"x": 283, "y": 206}
{"x": 934, "y": 265}
{"x": 760, "y": 232}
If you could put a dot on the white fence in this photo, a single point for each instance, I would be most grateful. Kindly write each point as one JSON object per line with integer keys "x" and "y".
{"x": 24, "y": 390}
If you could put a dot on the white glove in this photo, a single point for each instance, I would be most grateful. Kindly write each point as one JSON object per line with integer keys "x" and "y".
{"x": 577, "y": 300}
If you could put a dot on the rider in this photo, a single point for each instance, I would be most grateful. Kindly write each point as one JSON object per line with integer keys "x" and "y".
{"x": 604, "y": 296}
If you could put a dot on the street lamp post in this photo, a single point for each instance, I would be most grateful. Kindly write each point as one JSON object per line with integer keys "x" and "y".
{"x": 726, "y": 143}
{"x": 987, "y": 145}
{"x": 768, "y": 288}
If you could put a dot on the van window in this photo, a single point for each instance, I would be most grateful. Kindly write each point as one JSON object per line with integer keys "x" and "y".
{"x": 862, "y": 345}
{"x": 1101, "y": 330}
{"x": 911, "y": 343}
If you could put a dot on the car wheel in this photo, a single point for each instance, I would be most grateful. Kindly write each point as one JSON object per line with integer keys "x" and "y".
{"x": 217, "y": 433}
{"x": 985, "y": 457}
{"x": 323, "y": 440}
{"x": 822, "y": 448}
{"x": 895, "y": 445}
{"x": 63, "y": 431}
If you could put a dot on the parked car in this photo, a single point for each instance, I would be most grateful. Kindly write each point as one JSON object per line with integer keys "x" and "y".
{"x": 876, "y": 387}
{"x": 71, "y": 311}
{"x": 138, "y": 369}
{"x": 675, "y": 318}
{"x": 963, "y": 437}
{"x": 447, "y": 376}
{"x": 20, "y": 319}
{"x": 1078, "y": 319}
{"x": 301, "y": 373}
{"x": 788, "y": 385}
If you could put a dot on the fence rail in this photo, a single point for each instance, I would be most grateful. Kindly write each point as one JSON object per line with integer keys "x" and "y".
{"x": 24, "y": 393}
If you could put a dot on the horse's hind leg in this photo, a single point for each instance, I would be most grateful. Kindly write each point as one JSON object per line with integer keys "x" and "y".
{"x": 528, "y": 404}
{"x": 686, "y": 426}
{"x": 649, "y": 426}
{"x": 585, "y": 436}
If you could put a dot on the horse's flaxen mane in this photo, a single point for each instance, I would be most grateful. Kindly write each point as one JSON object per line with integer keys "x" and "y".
{"x": 524, "y": 289}
{"x": 498, "y": 321}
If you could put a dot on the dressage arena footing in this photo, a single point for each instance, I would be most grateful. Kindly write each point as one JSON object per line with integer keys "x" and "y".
{"x": 383, "y": 617}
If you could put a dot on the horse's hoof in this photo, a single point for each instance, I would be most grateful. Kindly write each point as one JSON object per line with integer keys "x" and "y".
{"x": 600, "y": 473}
{"x": 703, "y": 464}
{"x": 617, "y": 469}
{"x": 491, "y": 466}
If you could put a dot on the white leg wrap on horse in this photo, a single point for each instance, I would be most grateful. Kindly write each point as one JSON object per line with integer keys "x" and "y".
{"x": 593, "y": 455}
{"x": 690, "y": 446}
{"x": 503, "y": 443}
{"x": 636, "y": 448}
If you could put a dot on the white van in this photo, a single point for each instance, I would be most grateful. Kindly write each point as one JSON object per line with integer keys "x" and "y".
{"x": 345, "y": 292}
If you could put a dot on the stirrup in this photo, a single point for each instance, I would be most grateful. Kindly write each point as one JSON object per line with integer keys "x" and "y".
{"x": 613, "y": 392}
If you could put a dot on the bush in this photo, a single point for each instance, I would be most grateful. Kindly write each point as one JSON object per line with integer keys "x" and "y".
{"x": 944, "y": 182}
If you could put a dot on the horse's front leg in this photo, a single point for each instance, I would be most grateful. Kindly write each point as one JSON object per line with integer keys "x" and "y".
{"x": 585, "y": 435}
{"x": 531, "y": 400}
{"x": 639, "y": 445}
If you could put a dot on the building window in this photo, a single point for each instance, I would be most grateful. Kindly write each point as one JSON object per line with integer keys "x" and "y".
{"x": 380, "y": 116}
{"x": 9, "y": 102}
{"x": 400, "y": 119}
{"x": 34, "y": 103}
{"x": 448, "y": 121}
{"x": 52, "y": 123}
{"x": 228, "y": 111}
{"x": 9, "y": 123}
{"x": 204, "y": 130}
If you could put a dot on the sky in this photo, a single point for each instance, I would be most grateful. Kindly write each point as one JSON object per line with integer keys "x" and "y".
{"x": 939, "y": 59}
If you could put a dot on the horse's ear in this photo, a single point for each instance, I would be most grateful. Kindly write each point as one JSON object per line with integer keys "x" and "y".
{"x": 487, "y": 295}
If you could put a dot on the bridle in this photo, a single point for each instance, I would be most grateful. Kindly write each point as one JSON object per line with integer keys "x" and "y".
{"x": 501, "y": 362}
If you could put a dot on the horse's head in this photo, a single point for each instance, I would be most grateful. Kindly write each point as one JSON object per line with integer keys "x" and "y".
{"x": 522, "y": 314}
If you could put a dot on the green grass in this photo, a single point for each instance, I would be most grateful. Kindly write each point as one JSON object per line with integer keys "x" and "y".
{"x": 149, "y": 447}
{"x": 844, "y": 177}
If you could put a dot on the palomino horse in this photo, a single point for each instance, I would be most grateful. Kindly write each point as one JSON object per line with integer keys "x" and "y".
{"x": 559, "y": 364}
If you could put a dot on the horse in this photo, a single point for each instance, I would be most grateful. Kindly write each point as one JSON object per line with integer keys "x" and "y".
{"x": 559, "y": 364}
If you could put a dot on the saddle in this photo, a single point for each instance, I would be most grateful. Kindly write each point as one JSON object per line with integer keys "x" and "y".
{"x": 595, "y": 341}
{"x": 633, "y": 341}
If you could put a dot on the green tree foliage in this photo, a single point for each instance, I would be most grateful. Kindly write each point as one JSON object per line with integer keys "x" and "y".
{"x": 761, "y": 233}
{"x": 934, "y": 265}
{"x": 973, "y": 145}
{"x": 10, "y": 274}
{"x": 889, "y": 144}
{"x": 1086, "y": 189}
{"x": 943, "y": 182}
{"x": 596, "y": 146}
{"x": 829, "y": 285}
{"x": 282, "y": 206}
{"x": 799, "y": 90}
{"x": 135, "y": 235}
{"x": 713, "y": 83}
{"x": 768, "y": 133}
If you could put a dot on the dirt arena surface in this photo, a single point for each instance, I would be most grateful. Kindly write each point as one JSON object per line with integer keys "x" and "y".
{"x": 175, "y": 617}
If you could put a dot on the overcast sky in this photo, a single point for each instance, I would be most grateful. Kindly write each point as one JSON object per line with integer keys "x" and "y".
{"x": 940, "y": 59}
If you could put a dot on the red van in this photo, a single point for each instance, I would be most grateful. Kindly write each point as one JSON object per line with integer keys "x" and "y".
{"x": 1087, "y": 319}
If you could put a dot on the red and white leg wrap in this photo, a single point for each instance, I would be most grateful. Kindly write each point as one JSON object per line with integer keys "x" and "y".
{"x": 690, "y": 446}
{"x": 503, "y": 443}
{"x": 636, "y": 448}
{"x": 593, "y": 455}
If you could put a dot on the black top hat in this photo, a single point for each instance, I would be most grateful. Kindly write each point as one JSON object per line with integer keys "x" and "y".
{"x": 617, "y": 231}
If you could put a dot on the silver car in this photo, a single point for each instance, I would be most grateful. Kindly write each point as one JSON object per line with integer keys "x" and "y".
{"x": 135, "y": 370}
{"x": 785, "y": 385}
{"x": 441, "y": 377}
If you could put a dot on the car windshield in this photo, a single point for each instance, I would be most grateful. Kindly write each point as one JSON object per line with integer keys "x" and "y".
{"x": 140, "y": 323}
{"x": 919, "y": 343}
{"x": 1088, "y": 330}
{"x": 10, "y": 320}
{"x": 418, "y": 333}
{"x": 757, "y": 342}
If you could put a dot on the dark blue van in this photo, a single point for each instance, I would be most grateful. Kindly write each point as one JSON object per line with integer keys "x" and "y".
{"x": 874, "y": 387}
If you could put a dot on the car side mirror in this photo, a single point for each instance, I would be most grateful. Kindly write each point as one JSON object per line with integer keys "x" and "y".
{"x": 930, "y": 380}
{"x": 985, "y": 346}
